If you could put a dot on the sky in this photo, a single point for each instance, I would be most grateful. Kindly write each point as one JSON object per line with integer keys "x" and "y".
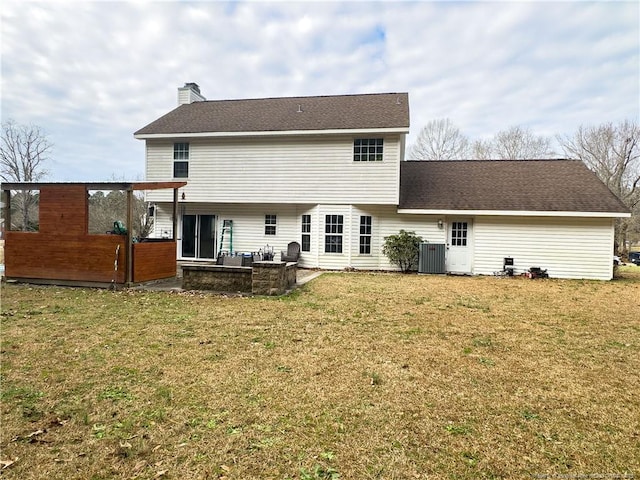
{"x": 91, "y": 73}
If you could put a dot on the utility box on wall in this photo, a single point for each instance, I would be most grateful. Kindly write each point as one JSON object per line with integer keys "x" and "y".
{"x": 431, "y": 259}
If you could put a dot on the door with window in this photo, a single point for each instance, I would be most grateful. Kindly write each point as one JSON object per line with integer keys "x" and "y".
{"x": 458, "y": 259}
{"x": 198, "y": 236}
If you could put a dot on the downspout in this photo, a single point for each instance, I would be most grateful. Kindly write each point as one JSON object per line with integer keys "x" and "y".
{"x": 349, "y": 232}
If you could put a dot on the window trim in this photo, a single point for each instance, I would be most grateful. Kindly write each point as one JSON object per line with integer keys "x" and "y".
{"x": 305, "y": 240}
{"x": 334, "y": 231}
{"x": 177, "y": 172}
{"x": 366, "y": 228}
{"x": 181, "y": 151}
{"x": 181, "y": 160}
{"x": 270, "y": 224}
{"x": 368, "y": 149}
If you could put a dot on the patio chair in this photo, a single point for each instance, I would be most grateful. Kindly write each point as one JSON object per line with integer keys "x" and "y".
{"x": 292, "y": 254}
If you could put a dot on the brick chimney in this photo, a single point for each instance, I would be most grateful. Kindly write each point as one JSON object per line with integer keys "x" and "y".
{"x": 189, "y": 93}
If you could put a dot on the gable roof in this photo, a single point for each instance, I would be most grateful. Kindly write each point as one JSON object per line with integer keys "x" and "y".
{"x": 338, "y": 112}
{"x": 505, "y": 185}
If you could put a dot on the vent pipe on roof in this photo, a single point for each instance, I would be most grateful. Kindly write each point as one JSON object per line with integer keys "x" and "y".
{"x": 189, "y": 93}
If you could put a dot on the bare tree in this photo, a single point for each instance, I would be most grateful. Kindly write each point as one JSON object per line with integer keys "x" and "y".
{"x": 481, "y": 149}
{"x": 440, "y": 140}
{"x": 515, "y": 143}
{"x": 613, "y": 153}
{"x": 24, "y": 150}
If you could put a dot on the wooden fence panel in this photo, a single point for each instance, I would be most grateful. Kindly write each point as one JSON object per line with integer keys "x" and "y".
{"x": 88, "y": 258}
{"x": 153, "y": 261}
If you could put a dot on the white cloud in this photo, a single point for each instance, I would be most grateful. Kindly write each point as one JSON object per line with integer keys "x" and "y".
{"x": 92, "y": 73}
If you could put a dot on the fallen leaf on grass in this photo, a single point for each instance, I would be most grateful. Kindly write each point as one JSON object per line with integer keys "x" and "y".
{"x": 31, "y": 438}
{"x": 7, "y": 463}
{"x": 161, "y": 473}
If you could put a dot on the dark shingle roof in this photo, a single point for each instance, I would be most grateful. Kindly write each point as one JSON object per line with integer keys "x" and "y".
{"x": 382, "y": 110}
{"x": 519, "y": 185}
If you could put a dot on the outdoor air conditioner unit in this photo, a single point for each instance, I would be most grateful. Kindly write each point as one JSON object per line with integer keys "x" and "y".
{"x": 431, "y": 258}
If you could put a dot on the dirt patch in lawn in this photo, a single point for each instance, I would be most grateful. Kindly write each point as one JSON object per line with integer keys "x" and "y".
{"x": 354, "y": 375}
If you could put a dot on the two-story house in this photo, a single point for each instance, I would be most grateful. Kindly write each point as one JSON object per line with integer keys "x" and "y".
{"x": 328, "y": 172}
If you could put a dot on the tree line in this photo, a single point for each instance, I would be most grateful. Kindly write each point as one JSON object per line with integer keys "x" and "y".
{"x": 610, "y": 150}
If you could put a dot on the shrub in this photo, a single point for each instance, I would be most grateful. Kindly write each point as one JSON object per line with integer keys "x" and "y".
{"x": 403, "y": 250}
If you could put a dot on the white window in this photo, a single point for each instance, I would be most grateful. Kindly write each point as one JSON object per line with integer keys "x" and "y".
{"x": 270, "y": 224}
{"x": 306, "y": 233}
{"x": 367, "y": 149}
{"x": 333, "y": 233}
{"x": 180, "y": 160}
{"x": 365, "y": 234}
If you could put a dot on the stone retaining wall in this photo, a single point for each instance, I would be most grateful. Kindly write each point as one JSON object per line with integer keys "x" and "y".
{"x": 219, "y": 278}
{"x": 273, "y": 278}
{"x": 263, "y": 278}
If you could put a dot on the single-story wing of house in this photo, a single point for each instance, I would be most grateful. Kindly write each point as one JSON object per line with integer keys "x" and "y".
{"x": 552, "y": 214}
{"x": 329, "y": 173}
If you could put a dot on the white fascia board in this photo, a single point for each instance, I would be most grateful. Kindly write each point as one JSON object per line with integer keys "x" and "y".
{"x": 512, "y": 213}
{"x": 362, "y": 131}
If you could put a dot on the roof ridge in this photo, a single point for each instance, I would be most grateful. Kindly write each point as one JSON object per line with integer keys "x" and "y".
{"x": 300, "y": 97}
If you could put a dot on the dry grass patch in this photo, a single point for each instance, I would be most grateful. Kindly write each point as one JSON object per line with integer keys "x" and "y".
{"x": 363, "y": 376}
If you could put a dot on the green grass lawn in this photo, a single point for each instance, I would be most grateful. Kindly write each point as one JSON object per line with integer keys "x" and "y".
{"x": 353, "y": 376}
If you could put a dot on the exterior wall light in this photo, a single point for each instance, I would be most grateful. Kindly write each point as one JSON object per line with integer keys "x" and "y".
{"x": 440, "y": 224}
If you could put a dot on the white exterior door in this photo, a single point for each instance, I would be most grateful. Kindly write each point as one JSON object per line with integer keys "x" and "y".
{"x": 458, "y": 259}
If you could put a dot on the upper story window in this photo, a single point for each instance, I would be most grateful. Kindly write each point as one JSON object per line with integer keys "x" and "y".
{"x": 306, "y": 233}
{"x": 270, "y": 224}
{"x": 180, "y": 160}
{"x": 181, "y": 151}
{"x": 367, "y": 149}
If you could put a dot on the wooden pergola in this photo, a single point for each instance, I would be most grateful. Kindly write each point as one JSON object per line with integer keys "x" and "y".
{"x": 63, "y": 251}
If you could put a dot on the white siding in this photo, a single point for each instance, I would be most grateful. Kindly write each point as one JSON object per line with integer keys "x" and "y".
{"x": 566, "y": 247}
{"x": 386, "y": 222}
{"x": 248, "y": 225}
{"x": 162, "y": 222}
{"x": 248, "y": 230}
{"x": 305, "y": 170}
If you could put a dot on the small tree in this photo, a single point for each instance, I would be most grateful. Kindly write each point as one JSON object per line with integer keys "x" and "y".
{"x": 403, "y": 250}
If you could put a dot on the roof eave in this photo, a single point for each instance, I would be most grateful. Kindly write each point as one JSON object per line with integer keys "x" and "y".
{"x": 512, "y": 213}
{"x": 148, "y": 185}
{"x": 341, "y": 131}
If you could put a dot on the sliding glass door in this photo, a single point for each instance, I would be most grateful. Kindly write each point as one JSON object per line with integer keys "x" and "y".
{"x": 198, "y": 236}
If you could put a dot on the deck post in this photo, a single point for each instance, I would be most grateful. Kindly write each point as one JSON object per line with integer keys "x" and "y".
{"x": 7, "y": 210}
{"x": 175, "y": 213}
{"x": 129, "y": 278}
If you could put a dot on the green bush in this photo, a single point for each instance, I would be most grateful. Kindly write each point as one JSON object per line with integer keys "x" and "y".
{"x": 403, "y": 250}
